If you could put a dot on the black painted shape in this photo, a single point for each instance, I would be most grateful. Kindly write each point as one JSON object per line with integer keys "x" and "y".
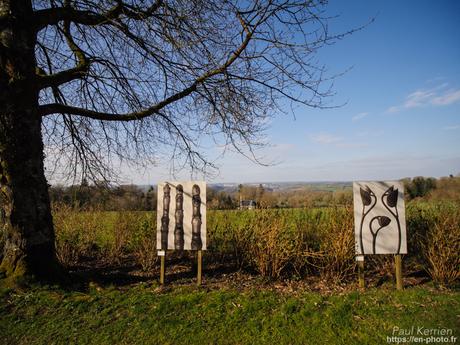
{"x": 391, "y": 196}
{"x": 165, "y": 217}
{"x": 383, "y": 221}
{"x": 366, "y": 197}
{"x": 197, "y": 243}
{"x": 179, "y": 215}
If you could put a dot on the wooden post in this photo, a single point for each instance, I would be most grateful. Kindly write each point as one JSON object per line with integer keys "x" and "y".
{"x": 200, "y": 261}
{"x": 362, "y": 282}
{"x": 398, "y": 268}
{"x": 162, "y": 269}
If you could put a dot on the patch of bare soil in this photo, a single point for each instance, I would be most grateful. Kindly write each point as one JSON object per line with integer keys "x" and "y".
{"x": 181, "y": 271}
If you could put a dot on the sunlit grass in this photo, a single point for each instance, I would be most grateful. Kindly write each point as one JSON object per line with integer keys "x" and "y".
{"x": 144, "y": 314}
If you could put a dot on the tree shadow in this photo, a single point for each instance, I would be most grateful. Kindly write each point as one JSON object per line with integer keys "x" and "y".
{"x": 179, "y": 270}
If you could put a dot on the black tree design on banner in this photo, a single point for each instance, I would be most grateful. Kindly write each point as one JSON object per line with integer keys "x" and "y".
{"x": 391, "y": 196}
{"x": 165, "y": 217}
{"x": 196, "y": 218}
{"x": 366, "y": 197}
{"x": 383, "y": 222}
{"x": 179, "y": 215}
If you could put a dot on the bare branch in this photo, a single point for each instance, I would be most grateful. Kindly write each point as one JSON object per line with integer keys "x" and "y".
{"x": 77, "y": 72}
{"x": 135, "y": 80}
{"x": 64, "y": 109}
{"x": 53, "y": 16}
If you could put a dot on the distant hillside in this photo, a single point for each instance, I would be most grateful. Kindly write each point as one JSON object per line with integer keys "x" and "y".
{"x": 286, "y": 186}
{"x": 327, "y": 186}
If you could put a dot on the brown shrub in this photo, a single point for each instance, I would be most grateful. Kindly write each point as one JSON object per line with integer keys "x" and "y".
{"x": 337, "y": 261}
{"x": 275, "y": 243}
{"x": 442, "y": 247}
{"x": 76, "y": 233}
{"x": 143, "y": 242}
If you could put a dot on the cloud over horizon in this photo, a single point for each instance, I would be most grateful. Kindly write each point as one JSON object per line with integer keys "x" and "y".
{"x": 359, "y": 116}
{"x": 452, "y": 128}
{"x": 437, "y": 96}
{"x": 325, "y": 138}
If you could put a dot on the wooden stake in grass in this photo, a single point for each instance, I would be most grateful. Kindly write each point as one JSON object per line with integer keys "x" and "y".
{"x": 360, "y": 259}
{"x": 200, "y": 262}
{"x": 398, "y": 269}
{"x": 162, "y": 255}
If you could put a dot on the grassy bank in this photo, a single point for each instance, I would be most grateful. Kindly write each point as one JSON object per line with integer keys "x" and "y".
{"x": 145, "y": 314}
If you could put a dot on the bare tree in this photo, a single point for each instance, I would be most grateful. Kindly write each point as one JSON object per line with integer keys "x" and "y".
{"x": 121, "y": 79}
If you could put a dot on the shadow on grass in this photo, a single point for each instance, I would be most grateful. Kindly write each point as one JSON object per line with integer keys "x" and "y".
{"x": 180, "y": 270}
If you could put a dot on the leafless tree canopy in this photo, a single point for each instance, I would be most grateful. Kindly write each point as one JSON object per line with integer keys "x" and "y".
{"x": 132, "y": 79}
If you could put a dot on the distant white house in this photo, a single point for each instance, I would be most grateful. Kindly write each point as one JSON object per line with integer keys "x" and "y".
{"x": 247, "y": 205}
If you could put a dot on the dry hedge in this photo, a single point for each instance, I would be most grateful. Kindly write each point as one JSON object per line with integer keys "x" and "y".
{"x": 277, "y": 243}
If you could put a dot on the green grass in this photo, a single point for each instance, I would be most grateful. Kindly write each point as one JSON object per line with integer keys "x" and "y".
{"x": 144, "y": 314}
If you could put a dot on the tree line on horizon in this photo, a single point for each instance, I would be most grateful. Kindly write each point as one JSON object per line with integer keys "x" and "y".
{"x": 134, "y": 198}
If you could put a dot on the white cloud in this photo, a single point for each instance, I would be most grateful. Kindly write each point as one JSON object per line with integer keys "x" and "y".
{"x": 352, "y": 145}
{"x": 336, "y": 141}
{"x": 283, "y": 147}
{"x": 325, "y": 138}
{"x": 370, "y": 133}
{"x": 448, "y": 98}
{"x": 437, "y": 96}
{"x": 387, "y": 167}
{"x": 452, "y": 128}
{"x": 359, "y": 116}
{"x": 418, "y": 98}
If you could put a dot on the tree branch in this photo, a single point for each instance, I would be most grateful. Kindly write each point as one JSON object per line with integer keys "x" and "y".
{"x": 66, "y": 109}
{"x": 81, "y": 68}
{"x": 52, "y": 16}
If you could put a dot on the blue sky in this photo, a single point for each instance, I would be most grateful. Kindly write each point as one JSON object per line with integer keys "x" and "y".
{"x": 402, "y": 111}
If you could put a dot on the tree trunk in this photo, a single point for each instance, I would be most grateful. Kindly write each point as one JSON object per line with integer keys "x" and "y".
{"x": 27, "y": 235}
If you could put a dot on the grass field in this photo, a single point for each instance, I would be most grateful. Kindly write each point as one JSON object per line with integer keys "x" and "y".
{"x": 270, "y": 277}
{"x": 146, "y": 314}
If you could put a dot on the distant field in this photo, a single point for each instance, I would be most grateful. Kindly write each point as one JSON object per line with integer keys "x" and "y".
{"x": 145, "y": 314}
{"x": 286, "y": 186}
